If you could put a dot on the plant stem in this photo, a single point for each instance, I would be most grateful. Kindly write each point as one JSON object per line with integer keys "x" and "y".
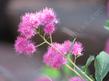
{"x": 73, "y": 70}
{"x": 41, "y": 44}
{"x": 80, "y": 70}
{"x": 51, "y": 38}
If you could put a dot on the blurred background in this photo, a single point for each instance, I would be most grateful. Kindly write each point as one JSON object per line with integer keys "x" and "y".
{"x": 85, "y": 18}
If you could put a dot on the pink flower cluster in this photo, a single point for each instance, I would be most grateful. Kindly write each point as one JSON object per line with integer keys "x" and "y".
{"x": 30, "y": 22}
{"x": 55, "y": 54}
{"x": 28, "y": 26}
{"x": 76, "y": 78}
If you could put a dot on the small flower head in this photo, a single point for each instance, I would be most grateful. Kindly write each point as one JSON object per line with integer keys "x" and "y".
{"x": 77, "y": 48}
{"x": 53, "y": 57}
{"x": 76, "y": 79}
{"x": 66, "y": 46}
{"x": 49, "y": 28}
{"x": 49, "y": 16}
{"x": 23, "y": 45}
{"x": 31, "y": 19}
{"x": 26, "y": 31}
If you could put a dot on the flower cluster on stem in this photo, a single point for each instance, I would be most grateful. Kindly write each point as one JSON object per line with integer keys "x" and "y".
{"x": 55, "y": 56}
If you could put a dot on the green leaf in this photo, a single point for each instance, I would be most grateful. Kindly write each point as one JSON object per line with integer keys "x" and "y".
{"x": 106, "y": 25}
{"x": 89, "y": 61}
{"x": 101, "y": 66}
{"x": 54, "y": 73}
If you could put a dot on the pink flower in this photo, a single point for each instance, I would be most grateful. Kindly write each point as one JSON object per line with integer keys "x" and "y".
{"x": 55, "y": 56}
{"x": 76, "y": 79}
{"x": 49, "y": 16}
{"x": 77, "y": 48}
{"x": 43, "y": 79}
{"x": 49, "y": 28}
{"x": 23, "y": 45}
{"x": 29, "y": 23}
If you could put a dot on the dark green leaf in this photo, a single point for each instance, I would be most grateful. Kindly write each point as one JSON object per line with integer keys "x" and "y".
{"x": 89, "y": 61}
{"x": 85, "y": 67}
{"x": 101, "y": 66}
